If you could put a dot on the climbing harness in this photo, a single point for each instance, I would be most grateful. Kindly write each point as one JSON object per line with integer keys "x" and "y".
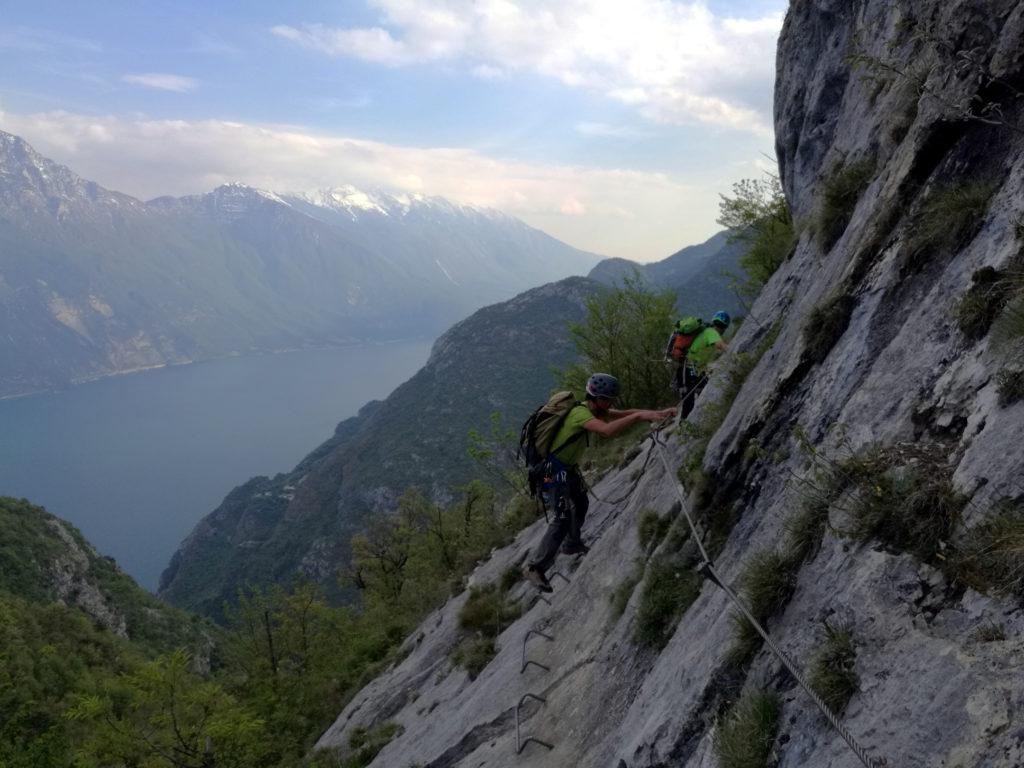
{"x": 707, "y": 569}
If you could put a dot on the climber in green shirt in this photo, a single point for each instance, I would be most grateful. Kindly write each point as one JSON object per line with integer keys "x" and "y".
{"x": 707, "y": 346}
{"x": 564, "y": 491}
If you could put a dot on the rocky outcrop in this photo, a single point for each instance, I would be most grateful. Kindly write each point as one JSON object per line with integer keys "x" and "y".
{"x": 887, "y": 115}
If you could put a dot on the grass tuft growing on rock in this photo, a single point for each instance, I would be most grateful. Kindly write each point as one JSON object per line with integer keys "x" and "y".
{"x": 990, "y": 557}
{"x": 826, "y": 324}
{"x": 989, "y": 632}
{"x": 832, "y": 676}
{"x": 651, "y": 529}
{"x": 485, "y": 614}
{"x": 766, "y": 584}
{"x": 911, "y": 509}
{"x": 668, "y": 590}
{"x": 949, "y": 217}
{"x": 746, "y": 736}
{"x": 984, "y": 301}
{"x": 619, "y": 598}
{"x": 366, "y": 743}
{"x": 473, "y": 654}
{"x": 840, "y": 193}
{"x": 1010, "y": 386}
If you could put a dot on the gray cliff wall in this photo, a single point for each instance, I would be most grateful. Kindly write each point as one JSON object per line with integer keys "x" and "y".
{"x": 931, "y": 693}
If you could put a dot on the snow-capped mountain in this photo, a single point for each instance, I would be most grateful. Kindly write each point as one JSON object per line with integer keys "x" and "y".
{"x": 94, "y": 282}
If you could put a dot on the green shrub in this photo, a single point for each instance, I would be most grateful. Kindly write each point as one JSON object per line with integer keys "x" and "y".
{"x": 473, "y": 654}
{"x": 826, "y": 324}
{"x": 805, "y": 528}
{"x": 651, "y": 528}
{"x": 990, "y": 292}
{"x": 1008, "y": 330}
{"x": 989, "y": 632}
{"x": 1010, "y": 385}
{"x": 488, "y": 610}
{"x": 758, "y": 215}
{"x": 948, "y": 217}
{"x": 990, "y": 557}
{"x": 840, "y": 193}
{"x": 367, "y": 743}
{"x": 911, "y": 509}
{"x": 619, "y": 598}
{"x": 668, "y": 590}
{"x": 624, "y": 333}
{"x": 746, "y": 737}
{"x": 766, "y": 584}
{"x": 832, "y": 676}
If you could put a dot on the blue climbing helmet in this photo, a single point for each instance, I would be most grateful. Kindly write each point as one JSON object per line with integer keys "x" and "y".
{"x": 722, "y": 318}
{"x": 603, "y": 385}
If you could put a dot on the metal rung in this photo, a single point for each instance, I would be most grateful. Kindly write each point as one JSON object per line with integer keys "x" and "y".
{"x": 520, "y": 743}
{"x": 560, "y": 575}
{"x": 527, "y": 662}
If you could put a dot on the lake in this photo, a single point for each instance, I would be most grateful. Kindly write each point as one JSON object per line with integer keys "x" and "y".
{"x": 135, "y": 461}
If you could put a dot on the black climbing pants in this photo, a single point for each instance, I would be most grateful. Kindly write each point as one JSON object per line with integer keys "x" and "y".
{"x": 567, "y": 505}
{"x": 689, "y": 388}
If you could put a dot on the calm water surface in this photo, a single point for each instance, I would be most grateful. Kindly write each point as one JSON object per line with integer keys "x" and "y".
{"x": 135, "y": 461}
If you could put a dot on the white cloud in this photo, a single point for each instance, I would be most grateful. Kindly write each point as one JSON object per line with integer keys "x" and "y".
{"x": 604, "y": 130}
{"x": 162, "y": 82}
{"x": 44, "y": 41}
{"x": 675, "y": 61}
{"x": 617, "y": 212}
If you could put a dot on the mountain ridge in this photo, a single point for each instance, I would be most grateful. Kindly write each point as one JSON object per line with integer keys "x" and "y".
{"x": 94, "y": 282}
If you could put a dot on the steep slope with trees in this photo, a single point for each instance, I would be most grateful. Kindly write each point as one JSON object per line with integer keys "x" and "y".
{"x": 501, "y": 359}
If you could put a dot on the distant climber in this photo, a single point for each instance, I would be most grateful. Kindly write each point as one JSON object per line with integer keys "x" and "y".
{"x": 562, "y": 485}
{"x": 692, "y": 372}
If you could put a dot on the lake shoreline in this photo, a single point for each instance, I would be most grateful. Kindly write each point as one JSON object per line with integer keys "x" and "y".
{"x": 77, "y": 382}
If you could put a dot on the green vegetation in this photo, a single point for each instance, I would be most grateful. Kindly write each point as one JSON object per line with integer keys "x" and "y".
{"x": 758, "y": 215}
{"x": 746, "y": 737}
{"x": 73, "y": 693}
{"x": 826, "y": 324}
{"x": 991, "y": 556}
{"x": 912, "y": 508}
{"x": 948, "y": 218}
{"x": 832, "y": 676}
{"x": 162, "y": 709}
{"x": 840, "y": 193}
{"x": 367, "y": 743}
{"x": 984, "y": 301}
{"x": 651, "y": 529}
{"x": 624, "y": 333}
{"x": 668, "y": 590}
{"x": 989, "y": 632}
{"x": 766, "y": 584}
{"x": 904, "y": 496}
{"x": 486, "y": 612}
{"x": 619, "y": 598}
{"x": 1010, "y": 383}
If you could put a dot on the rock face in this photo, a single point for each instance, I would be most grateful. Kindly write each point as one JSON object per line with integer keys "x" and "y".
{"x": 877, "y": 122}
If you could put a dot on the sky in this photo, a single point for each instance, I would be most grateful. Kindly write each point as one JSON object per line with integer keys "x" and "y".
{"x": 611, "y": 125}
